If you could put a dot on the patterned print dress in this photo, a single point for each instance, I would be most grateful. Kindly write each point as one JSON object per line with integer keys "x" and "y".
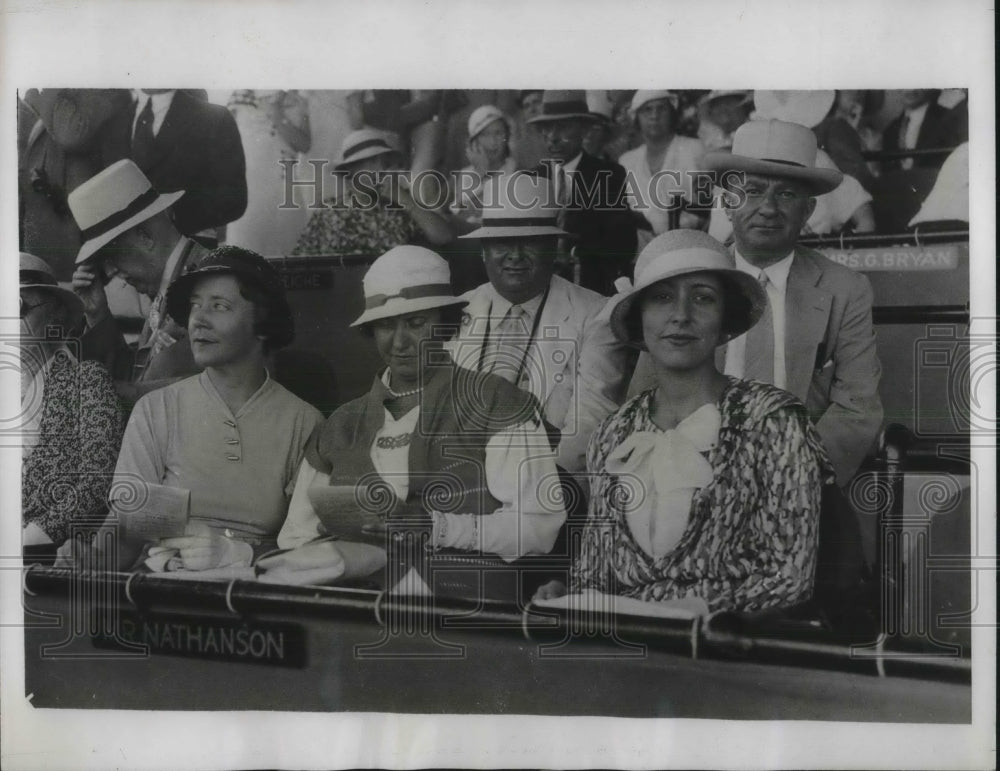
{"x": 752, "y": 536}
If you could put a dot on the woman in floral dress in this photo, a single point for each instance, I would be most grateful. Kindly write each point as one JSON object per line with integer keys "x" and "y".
{"x": 705, "y": 486}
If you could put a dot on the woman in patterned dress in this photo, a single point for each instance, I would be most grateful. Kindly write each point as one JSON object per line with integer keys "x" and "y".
{"x": 71, "y": 419}
{"x": 705, "y": 487}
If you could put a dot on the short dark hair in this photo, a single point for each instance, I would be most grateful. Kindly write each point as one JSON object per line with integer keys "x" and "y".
{"x": 272, "y": 318}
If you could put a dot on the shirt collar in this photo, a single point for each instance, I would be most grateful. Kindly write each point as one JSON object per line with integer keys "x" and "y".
{"x": 777, "y": 272}
{"x": 171, "y": 266}
{"x": 500, "y": 305}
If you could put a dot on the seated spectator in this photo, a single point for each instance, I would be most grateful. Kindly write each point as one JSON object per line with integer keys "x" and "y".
{"x": 947, "y": 204}
{"x": 60, "y": 132}
{"x": 488, "y": 152}
{"x": 467, "y": 452}
{"x": 590, "y": 192}
{"x": 731, "y": 470}
{"x": 534, "y": 328}
{"x": 373, "y": 209}
{"x": 148, "y": 252}
{"x": 720, "y": 113}
{"x": 72, "y": 423}
{"x": 923, "y": 125}
{"x": 182, "y": 142}
{"x": 659, "y": 169}
{"x": 527, "y": 142}
{"x": 229, "y": 439}
{"x": 845, "y": 209}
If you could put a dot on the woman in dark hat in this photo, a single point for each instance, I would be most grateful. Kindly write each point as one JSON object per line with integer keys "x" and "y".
{"x": 227, "y": 442}
{"x": 71, "y": 419}
{"x": 704, "y": 488}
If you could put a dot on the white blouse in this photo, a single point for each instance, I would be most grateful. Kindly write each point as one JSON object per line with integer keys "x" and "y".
{"x": 670, "y": 467}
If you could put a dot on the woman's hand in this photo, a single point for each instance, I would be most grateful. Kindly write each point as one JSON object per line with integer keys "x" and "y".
{"x": 477, "y": 156}
{"x": 551, "y": 591}
{"x": 204, "y": 549}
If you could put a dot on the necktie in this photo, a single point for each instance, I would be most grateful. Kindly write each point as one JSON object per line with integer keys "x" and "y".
{"x": 760, "y": 344}
{"x": 904, "y": 126}
{"x": 142, "y": 139}
{"x": 511, "y": 339}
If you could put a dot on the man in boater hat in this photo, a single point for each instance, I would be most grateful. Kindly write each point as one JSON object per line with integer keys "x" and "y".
{"x": 128, "y": 231}
{"x": 534, "y": 328}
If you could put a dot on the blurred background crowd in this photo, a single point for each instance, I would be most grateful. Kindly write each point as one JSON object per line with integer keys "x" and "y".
{"x": 226, "y": 149}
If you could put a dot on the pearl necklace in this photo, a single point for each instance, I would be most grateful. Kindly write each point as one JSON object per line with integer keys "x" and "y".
{"x": 401, "y": 394}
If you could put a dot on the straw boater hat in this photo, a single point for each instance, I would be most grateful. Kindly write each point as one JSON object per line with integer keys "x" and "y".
{"x": 517, "y": 205}
{"x": 563, "y": 105}
{"x": 36, "y": 273}
{"x": 366, "y": 143}
{"x": 643, "y": 97}
{"x": 249, "y": 267}
{"x": 776, "y": 149}
{"x": 676, "y": 253}
{"x": 807, "y": 108}
{"x": 406, "y": 279}
{"x": 482, "y": 117}
{"x": 113, "y": 201}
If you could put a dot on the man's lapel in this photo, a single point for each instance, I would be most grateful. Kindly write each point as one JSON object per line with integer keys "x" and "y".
{"x": 555, "y": 343}
{"x": 807, "y": 312}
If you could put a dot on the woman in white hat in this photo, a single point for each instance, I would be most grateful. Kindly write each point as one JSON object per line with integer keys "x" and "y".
{"x": 466, "y": 450}
{"x": 488, "y": 151}
{"x": 705, "y": 487}
{"x": 660, "y": 167}
{"x": 371, "y": 209}
{"x": 71, "y": 420}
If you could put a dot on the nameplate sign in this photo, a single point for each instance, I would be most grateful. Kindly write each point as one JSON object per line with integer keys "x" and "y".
{"x": 898, "y": 258}
{"x": 306, "y": 279}
{"x": 204, "y": 637}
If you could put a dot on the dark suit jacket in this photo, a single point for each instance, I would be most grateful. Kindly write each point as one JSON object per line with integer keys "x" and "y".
{"x": 600, "y": 219}
{"x": 197, "y": 149}
{"x": 127, "y": 365}
{"x": 937, "y": 130}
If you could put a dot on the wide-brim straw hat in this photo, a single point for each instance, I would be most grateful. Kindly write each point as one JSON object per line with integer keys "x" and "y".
{"x": 366, "y": 143}
{"x": 518, "y": 205}
{"x": 247, "y": 266}
{"x": 563, "y": 105}
{"x": 642, "y": 97}
{"x": 113, "y": 201}
{"x": 677, "y": 253}
{"x": 36, "y": 273}
{"x": 807, "y": 108}
{"x": 482, "y": 117}
{"x": 775, "y": 148}
{"x": 406, "y": 279}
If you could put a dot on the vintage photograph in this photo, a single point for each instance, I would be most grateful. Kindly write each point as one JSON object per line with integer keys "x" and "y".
{"x": 580, "y": 403}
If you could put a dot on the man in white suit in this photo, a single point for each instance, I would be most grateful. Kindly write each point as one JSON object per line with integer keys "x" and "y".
{"x": 534, "y": 328}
